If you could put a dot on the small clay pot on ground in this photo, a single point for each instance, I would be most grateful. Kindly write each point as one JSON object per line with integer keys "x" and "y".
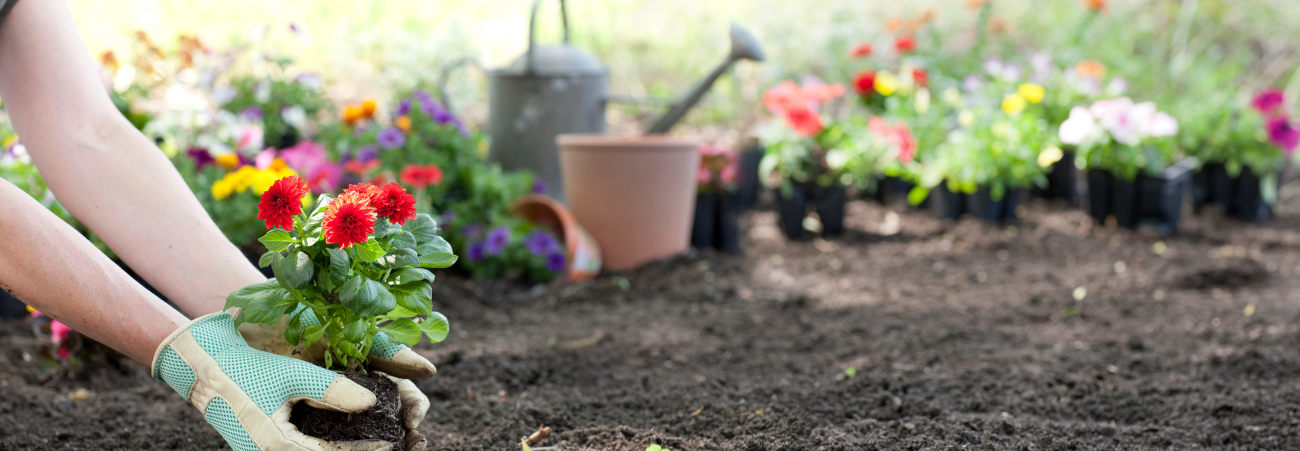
{"x": 381, "y": 422}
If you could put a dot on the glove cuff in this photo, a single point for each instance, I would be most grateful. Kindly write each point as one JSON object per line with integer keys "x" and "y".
{"x": 157, "y": 354}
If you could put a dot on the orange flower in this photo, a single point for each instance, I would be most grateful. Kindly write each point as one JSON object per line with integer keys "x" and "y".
{"x": 998, "y": 25}
{"x": 352, "y": 114}
{"x": 861, "y": 50}
{"x": 893, "y": 25}
{"x": 976, "y": 4}
{"x": 927, "y": 16}
{"x": 1090, "y": 69}
{"x": 109, "y": 60}
{"x": 1095, "y": 5}
{"x": 403, "y": 123}
{"x": 368, "y": 108}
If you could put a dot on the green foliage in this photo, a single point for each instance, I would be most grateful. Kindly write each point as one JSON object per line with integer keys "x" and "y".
{"x": 272, "y": 98}
{"x": 352, "y": 293}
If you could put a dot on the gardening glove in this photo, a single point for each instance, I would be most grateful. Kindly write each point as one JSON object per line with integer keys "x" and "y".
{"x": 247, "y": 394}
{"x": 397, "y": 361}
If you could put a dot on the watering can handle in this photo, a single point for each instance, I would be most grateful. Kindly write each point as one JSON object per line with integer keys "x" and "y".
{"x": 532, "y": 22}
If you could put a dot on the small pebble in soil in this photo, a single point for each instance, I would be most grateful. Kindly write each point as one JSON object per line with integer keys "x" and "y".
{"x": 1120, "y": 267}
{"x": 1003, "y": 255}
{"x": 1249, "y": 310}
{"x": 1080, "y": 293}
{"x": 1159, "y": 248}
{"x": 1158, "y": 295}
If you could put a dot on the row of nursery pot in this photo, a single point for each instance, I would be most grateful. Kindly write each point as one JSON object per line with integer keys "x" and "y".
{"x": 975, "y": 146}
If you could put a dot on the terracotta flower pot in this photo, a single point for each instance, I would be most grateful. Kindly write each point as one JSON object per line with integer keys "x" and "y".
{"x": 635, "y": 194}
{"x": 581, "y": 251}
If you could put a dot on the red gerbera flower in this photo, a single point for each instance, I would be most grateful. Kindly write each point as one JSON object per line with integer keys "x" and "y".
{"x": 421, "y": 176}
{"x": 393, "y": 203}
{"x": 921, "y": 77}
{"x": 281, "y": 202}
{"x": 349, "y": 220}
{"x": 861, "y": 50}
{"x": 905, "y": 44}
{"x": 864, "y": 82}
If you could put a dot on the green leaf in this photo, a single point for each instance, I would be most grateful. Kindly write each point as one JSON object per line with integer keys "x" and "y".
{"x": 317, "y": 213}
{"x": 350, "y": 349}
{"x": 355, "y": 332}
{"x": 277, "y": 239}
{"x": 245, "y": 296}
{"x": 406, "y": 275}
{"x": 334, "y": 331}
{"x": 313, "y": 334}
{"x": 398, "y": 258}
{"x": 415, "y": 296}
{"x": 402, "y": 331}
{"x": 366, "y": 297}
{"x": 295, "y": 271}
{"x": 269, "y": 309}
{"x": 267, "y": 259}
{"x": 435, "y": 327}
{"x": 423, "y": 227}
{"x": 383, "y": 228}
{"x": 437, "y": 260}
{"x": 368, "y": 251}
{"x": 404, "y": 240}
{"x": 339, "y": 263}
{"x": 313, "y": 237}
{"x": 293, "y": 332}
{"x": 435, "y": 245}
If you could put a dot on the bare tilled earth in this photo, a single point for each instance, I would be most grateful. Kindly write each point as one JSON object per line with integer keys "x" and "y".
{"x": 906, "y": 333}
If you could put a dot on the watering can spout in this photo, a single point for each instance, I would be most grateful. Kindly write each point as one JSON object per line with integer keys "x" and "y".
{"x": 743, "y": 47}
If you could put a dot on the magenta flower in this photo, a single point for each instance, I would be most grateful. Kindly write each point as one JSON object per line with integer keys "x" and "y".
{"x": 201, "y": 157}
{"x": 1283, "y": 134}
{"x": 1268, "y": 100}
{"x": 305, "y": 156}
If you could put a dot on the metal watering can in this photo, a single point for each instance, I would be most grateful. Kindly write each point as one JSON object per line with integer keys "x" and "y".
{"x": 554, "y": 89}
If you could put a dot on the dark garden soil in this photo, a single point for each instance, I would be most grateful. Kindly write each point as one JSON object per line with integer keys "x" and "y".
{"x": 381, "y": 422}
{"x": 959, "y": 335}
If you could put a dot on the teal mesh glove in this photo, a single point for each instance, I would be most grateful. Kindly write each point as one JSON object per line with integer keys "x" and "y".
{"x": 247, "y": 394}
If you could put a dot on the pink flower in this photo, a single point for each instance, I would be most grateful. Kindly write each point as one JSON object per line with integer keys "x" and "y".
{"x": 703, "y": 176}
{"x": 1268, "y": 100}
{"x": 324, "y": 178}
{"x": 1078, "y": 127}
{"x": 305, "y": 157}
{"x": 264, "y": 159}
{"x": 250, "y": 137}
{"x": 730, "y": 173}
{"x": 899, "y": 137}
{"x": 1281, "y": 133}
{"x": 59, "y": 332}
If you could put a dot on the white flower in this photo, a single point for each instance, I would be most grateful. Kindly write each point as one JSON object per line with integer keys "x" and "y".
{"x": 1161, "y": 125}
{"x": 1117, "y": 86}
{"x": 1078, "y": 127}
{"x": 295, "y": 116}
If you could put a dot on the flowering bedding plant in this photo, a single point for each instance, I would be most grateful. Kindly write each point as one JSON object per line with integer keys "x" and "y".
{"x": 801, "y": 148}
{"x": 1122, "y": 137}
{"x": 718, "y": 171}
{"x": 347, "y": 269}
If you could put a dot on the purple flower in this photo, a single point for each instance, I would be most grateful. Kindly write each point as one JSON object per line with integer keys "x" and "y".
{"x": 252, "y": 113}
{"x": 447, "y": 217}
{"x": 497, "y": 240}
{"x": 201, "y": 157}
{"x": 404, "y": 108}
{"x": 367, "y": 153}
{"x": 539, "y": 242}
{"x": 972, "y": 83}
{"x": 471, "y": 230}
{"x": 539, "y": 186}
{"x": 1268, "y": 100}
{"x": 476, "y": 252}
{"x": 391, "y": 138}
{"x": 1283, "y": 134}
{"x": 556, "y": 262}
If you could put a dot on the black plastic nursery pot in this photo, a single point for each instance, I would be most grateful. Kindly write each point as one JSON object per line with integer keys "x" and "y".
{"x": 827, "y": 201}
{"x": 946, "y": 203}
{"x": 749, "y": 186}
{"x": 1155, "y": 201}
{"x": 1062, "y": 181}
{"x": 717, "y": 222}
{"x": 1238, "y": 196}
{"x": 982, "y": 205}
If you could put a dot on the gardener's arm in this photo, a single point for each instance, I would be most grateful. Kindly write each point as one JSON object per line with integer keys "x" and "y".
{"x": 46, "y": 263}
{"x": 109, "y": 175}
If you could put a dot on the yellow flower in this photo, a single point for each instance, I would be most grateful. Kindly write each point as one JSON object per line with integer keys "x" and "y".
{"x": 243, "y": 178}
{"x": 228, "y": 161}
{"x": 30, "y": 309}
{"x": 886, "y": 83}
{"x": 222, "y": 189}
{"x": 262, "y": 181}
{"x": 1031, "y": 92}
{"x": 1013, "y": 104}
{"x": 966, "y": 118}
{"x": 278, "y": 165}
{"x": 10, "y": 141}
{"x": 1050, "y": 156}
{"x": 403, "y": 123}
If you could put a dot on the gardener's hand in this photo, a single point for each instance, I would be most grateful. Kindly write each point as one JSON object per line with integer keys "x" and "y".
{"x": 247, "y": 394}
{"x": 397, "y": 360}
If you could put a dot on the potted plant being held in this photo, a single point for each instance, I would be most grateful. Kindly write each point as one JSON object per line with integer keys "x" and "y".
{"x": 991, "y": 156}
{"x": 1129, "y": 157}
{"x": 716, "y": 224}
{"x": 350, "y": 293}
{"x": 805, "y": 158}
{"x": 1242, "y": 152}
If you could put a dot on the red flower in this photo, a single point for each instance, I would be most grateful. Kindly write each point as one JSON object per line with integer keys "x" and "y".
{"x": 863, "y": 49}
{"x": 921, "y": 77}
{"x": 865, "y": 82}
{"x": 393, "y": 203}
{"x": 421, "y": 176}
{"x": 804, "y": 121}
{"x": 349, "y": 220}
{"x": 370, "y": 192}
{"x": 905, "y": 44}
{"x": 281, "y": 202}
{"x": 359, "y": 168}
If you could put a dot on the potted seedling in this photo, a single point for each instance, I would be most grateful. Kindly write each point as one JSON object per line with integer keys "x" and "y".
{"x": 716, "y": 222}
{"x": 1242, "y": 151}
{"x": 805, "y": 158}
{"x": 350, "y": 275}
{"x": 1130, "y": 162}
